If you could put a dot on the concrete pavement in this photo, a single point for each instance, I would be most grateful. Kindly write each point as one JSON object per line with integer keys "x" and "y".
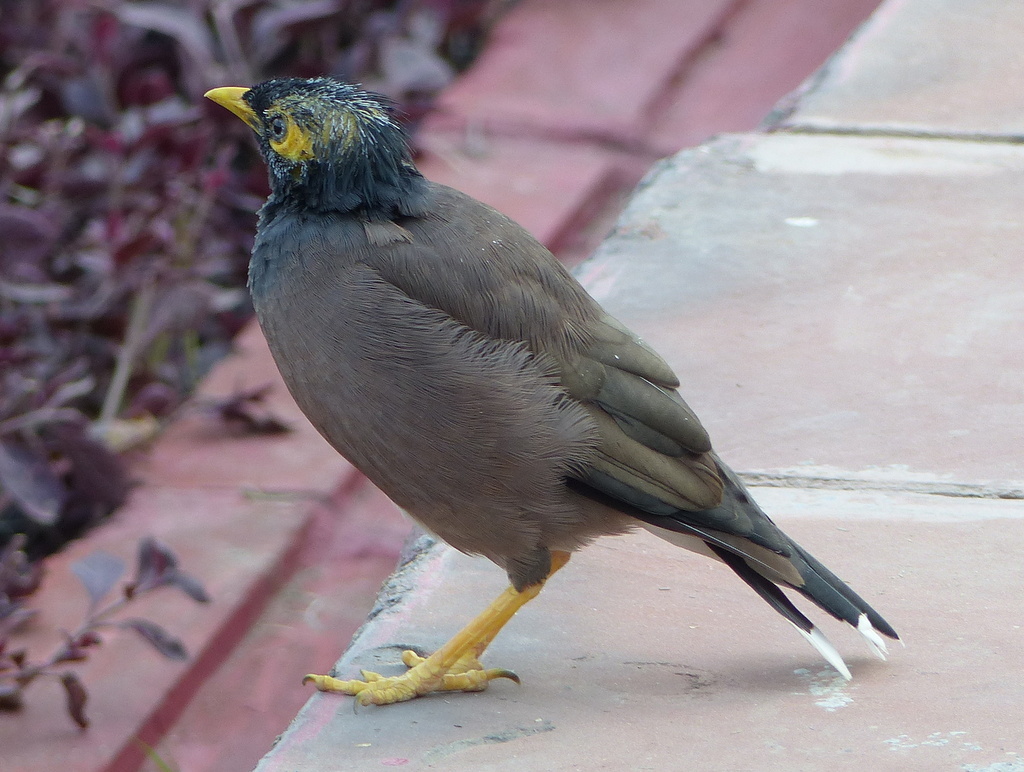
{"x": 843, "y": 304}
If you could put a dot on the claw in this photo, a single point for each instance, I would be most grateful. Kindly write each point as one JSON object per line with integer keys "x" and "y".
{"x": 495, "y": 672}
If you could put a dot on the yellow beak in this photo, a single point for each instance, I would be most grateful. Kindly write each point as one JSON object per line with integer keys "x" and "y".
{"x": 231, "y": 98}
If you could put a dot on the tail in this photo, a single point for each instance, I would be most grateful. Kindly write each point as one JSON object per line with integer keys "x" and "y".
{"x": 743, "y": 537}
{"x": 824, "y": 595}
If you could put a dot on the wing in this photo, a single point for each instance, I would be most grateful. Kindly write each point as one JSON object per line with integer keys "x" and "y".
{"x": 498, "y": 280}
{"x": 654, "y": 460}
{"x": 654, "y": 454}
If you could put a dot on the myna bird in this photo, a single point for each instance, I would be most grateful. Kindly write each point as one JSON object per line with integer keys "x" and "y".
{"x": 450, "y": 357}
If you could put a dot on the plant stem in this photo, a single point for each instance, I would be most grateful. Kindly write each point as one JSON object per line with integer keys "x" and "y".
{"x": 142, "y": 303}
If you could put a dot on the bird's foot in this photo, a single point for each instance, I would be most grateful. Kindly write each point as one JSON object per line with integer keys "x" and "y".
{"x": 455, "y": 667}
{"x": 425, "y": 676}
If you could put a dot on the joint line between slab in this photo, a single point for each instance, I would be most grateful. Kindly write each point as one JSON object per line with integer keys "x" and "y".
{"x": 933, "y": 488}
{"x": 896, "y": 133}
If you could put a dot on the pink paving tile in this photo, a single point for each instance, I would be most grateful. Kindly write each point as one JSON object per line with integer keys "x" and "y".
{"x": 135, "y": 693}
{"x": 766, "y": 50}
{"x": 574, "y": 67}
{"x": 642, "y": 656}
{"x": 352, "y": 547}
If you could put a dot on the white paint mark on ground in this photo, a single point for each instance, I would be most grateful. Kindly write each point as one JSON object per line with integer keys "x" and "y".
{"x": 830, "y": 689}
{"x": 801, "y": 222}
{"x": 954, "y": 740}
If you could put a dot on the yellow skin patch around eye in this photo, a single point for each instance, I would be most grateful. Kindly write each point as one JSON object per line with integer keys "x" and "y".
{"x": 297, "y": 144}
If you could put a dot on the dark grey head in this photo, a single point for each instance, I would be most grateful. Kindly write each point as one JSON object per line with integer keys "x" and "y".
{"x": 329, "y": 146}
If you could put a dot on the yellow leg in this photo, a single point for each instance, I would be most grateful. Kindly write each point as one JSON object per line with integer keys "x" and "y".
{"x": 453, "y": 667}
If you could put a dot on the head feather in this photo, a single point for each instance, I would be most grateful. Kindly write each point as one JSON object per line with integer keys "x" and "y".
{"x": 331, "y": 146}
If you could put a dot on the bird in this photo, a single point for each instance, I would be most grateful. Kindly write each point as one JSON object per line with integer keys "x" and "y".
{"x": 450, "y": 357}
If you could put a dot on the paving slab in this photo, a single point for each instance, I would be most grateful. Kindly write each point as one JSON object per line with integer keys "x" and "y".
{"x": 926, "y": 66}
{"x": 765, "y": 51}
{"x": 642, "y": 656}
{"x": 352, "y": 546}
{"x": 836, "y": 303}
{"x": 573, "y": 68}
{"x": 846, "y": 315}
{"x": 134, "y": 693}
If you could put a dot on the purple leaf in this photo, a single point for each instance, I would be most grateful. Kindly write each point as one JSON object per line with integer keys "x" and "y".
{"x": 268, "y": 38}
{"x": 157, "y": 637}
{"x": 74, "y": 649}
{"x": 188, "y": 29}
{"x": 77, "y": 697}
{"x": 155, "y": 399}
{"x": 156, "y": 566}
{"x": 245, "y": 410}
{"x": 410, "y": 66}
{"x": 99, "y": 573}
{"x": 190, "y": 586}
{"x": 35, "y": 293}
{"x": 69, "y": 652}
{"x": 15, "y": 102}
{"x": 85, "y": 96}
{"x": 177, "y": 308}
{"x": 69, "y": 390}
{"x": 29, "y": 236}
{"x": 31, "y": 483}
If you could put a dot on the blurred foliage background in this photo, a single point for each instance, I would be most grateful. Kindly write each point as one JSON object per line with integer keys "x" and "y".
{"x": 127, "y": 208}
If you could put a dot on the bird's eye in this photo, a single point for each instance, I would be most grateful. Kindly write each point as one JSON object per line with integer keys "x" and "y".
{"x": 278, "y": 128}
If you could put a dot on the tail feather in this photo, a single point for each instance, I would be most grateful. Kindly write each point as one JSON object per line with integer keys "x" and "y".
{"x": 774, "y": 596}
{"x": 834, "y": 596}
{"x": 875, "y": 641}
{"x": 741, "y": 535}
{"x": 824, "y": 646}
{"x": 806, "y": 574}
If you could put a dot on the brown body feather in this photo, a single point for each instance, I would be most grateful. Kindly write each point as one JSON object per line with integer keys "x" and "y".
{"x": 451, "y": 406}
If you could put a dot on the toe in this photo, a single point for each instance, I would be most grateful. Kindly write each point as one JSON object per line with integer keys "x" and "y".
{"x": 325, "y": 683}
{"x": 411, "y": 658}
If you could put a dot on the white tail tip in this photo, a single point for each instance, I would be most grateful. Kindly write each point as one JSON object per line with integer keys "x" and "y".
{"x": 827, "y": 650}
{"x": 875, "y": 641}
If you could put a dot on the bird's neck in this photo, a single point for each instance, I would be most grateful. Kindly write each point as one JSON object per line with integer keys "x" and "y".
{"x": 375, "y": 188}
